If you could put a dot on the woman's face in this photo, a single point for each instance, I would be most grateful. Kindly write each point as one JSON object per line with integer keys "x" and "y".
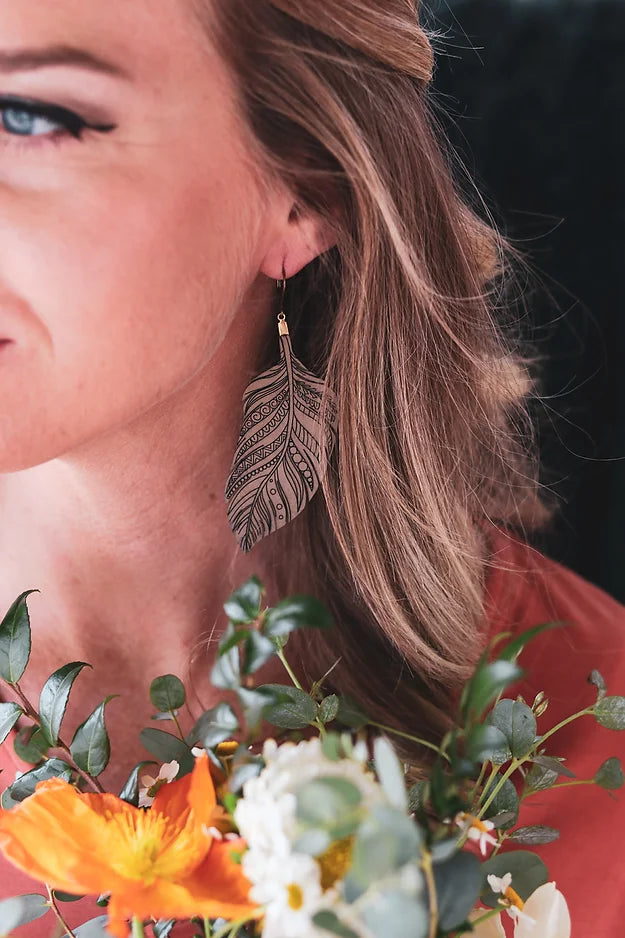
{"x": 127, "y": 246}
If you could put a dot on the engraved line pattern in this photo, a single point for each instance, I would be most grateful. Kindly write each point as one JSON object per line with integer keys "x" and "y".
{"x": 276, "y": 466}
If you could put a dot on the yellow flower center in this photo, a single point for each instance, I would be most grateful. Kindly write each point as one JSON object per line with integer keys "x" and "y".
{"x": 334, "y": 862}
{"x": 150, "y": 846}
{"x": 296, "y": 896}
{"x": 514, "y": 898}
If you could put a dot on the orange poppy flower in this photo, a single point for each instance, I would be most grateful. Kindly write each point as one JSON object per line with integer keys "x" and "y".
{"x": 156, "y": 863}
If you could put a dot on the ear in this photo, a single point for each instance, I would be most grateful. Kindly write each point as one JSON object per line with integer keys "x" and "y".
{"x": 301, "y": 238}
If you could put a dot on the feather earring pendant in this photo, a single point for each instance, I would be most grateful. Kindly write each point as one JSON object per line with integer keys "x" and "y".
{"x": 276, "y": 468}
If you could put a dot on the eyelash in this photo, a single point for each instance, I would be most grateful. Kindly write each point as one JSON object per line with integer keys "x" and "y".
{"x": 72, "y": 124}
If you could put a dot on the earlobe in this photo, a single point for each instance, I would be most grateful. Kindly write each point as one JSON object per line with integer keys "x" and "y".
{"x": 304, "y": 238}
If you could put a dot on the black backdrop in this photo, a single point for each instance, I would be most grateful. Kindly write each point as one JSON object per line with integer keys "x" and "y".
{"x": 534, "y": 91}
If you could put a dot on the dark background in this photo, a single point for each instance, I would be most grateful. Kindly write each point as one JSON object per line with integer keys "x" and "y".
{"x": 532, "y": 96}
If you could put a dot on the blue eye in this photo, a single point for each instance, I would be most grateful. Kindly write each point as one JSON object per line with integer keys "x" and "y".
{"x": 24, "y": 117}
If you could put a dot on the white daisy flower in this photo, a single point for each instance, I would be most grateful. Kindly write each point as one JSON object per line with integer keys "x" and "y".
{"x": 511, "y": 899}
{"x": 150, "y": 785}
{"x": 476, "y": 830}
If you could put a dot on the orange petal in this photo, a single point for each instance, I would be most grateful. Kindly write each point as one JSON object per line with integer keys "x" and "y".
{"x": 195, "y": 790}
{"x": 56, "y": 837}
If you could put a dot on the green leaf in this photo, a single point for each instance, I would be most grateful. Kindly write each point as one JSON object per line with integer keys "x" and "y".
{"x": 458, "y": 885}
{"x": 25, "y": 785}
{"x": 214, "y": 726}
{"x": 540, "y": 778}
{"x": 15, "y": 639}
{"x": 166, "y": 748}
{"x": 257, "y": 650}
{"x": 609, "y": 775}
{"x": 53, "y": 699}
{"x": 130, "y": 791}
{"x": 486, "y": 743}
{"x": 94, "y": 928}
{"x": 535, "y": 835}
{"x": 527, "y": 869}
{"x": 324, "y": 800}
{"x": 167, "y": 693}
{"x": 351, "y": 713}
{"x": 385, "y": 841}
{"x": 391, "y": 773}
{"x": 20, "y": 911}
{"x": 488, "y": 682}
{"x": 597, "y": 679}
{"x": 556, "y": 764}
{"x": 226, "y": 672}
{"x": 610, "y": 712}
{"x": 9, "y": 715}
{"x": 30, "y": 745}
{"x": 253, "y": 703}
{"x": 294, "y": 709}
{"x": 394, "y": 914}
{"x": 506, "y": 800}
{"x": 517, "y": 723}
{"x": 313, "y": 841}
{"x": 163, "y": 928}
{"x": 244, "y": 604}
{"x": 91, "y": 747}
{"x": 511, "y": 651}
{"x": 66, "y": 896}
{"x": 330, "y": 922}
{"x": 418, "y": 795}
{"x": 296, "y": 612}
{"x": 329, "y": 708}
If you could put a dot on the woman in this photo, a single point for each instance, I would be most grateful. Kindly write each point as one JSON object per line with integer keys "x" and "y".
{"x": 163, "y": 166}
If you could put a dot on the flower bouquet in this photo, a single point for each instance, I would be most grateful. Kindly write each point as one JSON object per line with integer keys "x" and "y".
{"x": 318, "y": 830}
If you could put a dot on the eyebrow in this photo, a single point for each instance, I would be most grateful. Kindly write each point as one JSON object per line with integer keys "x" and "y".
{"x": 22, "y": 60}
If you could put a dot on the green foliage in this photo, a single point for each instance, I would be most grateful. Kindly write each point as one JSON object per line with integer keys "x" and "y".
{"x": 517, "y": 724}
{"x": 385, "y": 841}
{"x": 9, "y": 715}
{"x": 130, "y": 791}
{"x": 25, "y": 785}
{"x": 458, "y": 885}
{"x": 292, "y": 708}
{"x": 30, "y": 745}
{"x": 54, "y": 697}
{"x": 610, "y": 712}
{"x": 329, "y": 708}
{"x": 167, "y": 693}
{"x": 534, "y": 836}
{"x": 390, "y": 773}
{"x": 166, "y": 748}
{"x": 331, "y": 922}
{"x": 20, "y": 911}
{"x": 394, "y": 914}
{"x": 244, "y": 604}
{"x": 214, "y": 726}
{"x": 94, "y": 928}
{"x": 91, "y": 747}
{"x": 296, "y": 612}
{"x": 609, "y": 775}
{"x": 489, "y": 680}
{"x": 351, "y": 714}
{"x": 331, "y": 803}
{"x": 597, "y": 680}
{"x": 505, "y": 801}
{"x": 15, "y": 639}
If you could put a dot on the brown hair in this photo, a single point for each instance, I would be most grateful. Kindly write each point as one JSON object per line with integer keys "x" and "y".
{"x": 406, "y": 318}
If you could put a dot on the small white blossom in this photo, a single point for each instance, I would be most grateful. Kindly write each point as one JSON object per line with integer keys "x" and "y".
{"x": 150, "y": 785}
{"x": 477, "y": 830}
{"x": 515, "y": 907}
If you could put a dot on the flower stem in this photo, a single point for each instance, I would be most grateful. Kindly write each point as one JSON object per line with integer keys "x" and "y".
{"x": 514, "y": 765}
{"x": 207, "y": 928}
{"x": 138, "y": 930}
{"x": 485, "y": 917}
{"x": 289, "y": 669}
{"x": 52, "y": 903}
{"x": 230, "y": 927}
{"x": 581, "y": 713}
{"x": 426, "y": 866}
{"x": 414, "y": 739}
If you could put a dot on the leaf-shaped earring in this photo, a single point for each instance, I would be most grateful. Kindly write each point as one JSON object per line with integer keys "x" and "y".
{"x": 276, "y": 468}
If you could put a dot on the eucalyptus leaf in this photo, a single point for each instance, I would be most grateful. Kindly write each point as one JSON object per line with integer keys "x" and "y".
{"x": 91, "y": 747}
{"x": 257, "y": 650}
{"x": 540, "y": 778}
{"x": 9, "y": 715}
{"x": 226, "y": 671}
{"x": 214, "y": 726}
{"x": 329, "y": 708}
{"x": 253, "y": 703}
{"x": 25, "y": 785}
{"x": 506, "y": 800}
{"x": 390, "y": 772}
{"x": 15, "y": 639}
{"x": 458, "y": 885}
{"x": 535, "y": 835}
{"x": 487, "y": 743}
{"x": 329, "y": 921}
{"x": 20, "y": 910}
{"x": 313, "y": 841}
{"x": 488, "y": 682}
{"x": 527, "y": 869}
{"x": 597, "y": 680}
{"x": 517, "y": 723}
{"x": 610, "y": 712}
{"x": 167, "y": 747}
{"x": 331, "y": 746}
{"x": 609, "y": 775}
{"x": 94, "y": 928}
{"x": 385, "y": 841}
{"x": 394, "y": 914}
{"x": 351, "y": 713}
{"x": 294, "y": 708}
{"x": 296, "y": 612}
{"x": 167, "y": 693}
{"x": 324, "y": 800}
{"x": 554, "y": 764}
{"x": 130, "y": 791}
{"x": 244, "y": 604}
{"x": 54, "y": 697}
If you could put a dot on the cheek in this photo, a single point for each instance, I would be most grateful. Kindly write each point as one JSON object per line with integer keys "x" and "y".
{"x": 126, "y": 289}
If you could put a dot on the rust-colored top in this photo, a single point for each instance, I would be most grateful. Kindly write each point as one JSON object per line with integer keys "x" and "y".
{"x": 526, "y": 588}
